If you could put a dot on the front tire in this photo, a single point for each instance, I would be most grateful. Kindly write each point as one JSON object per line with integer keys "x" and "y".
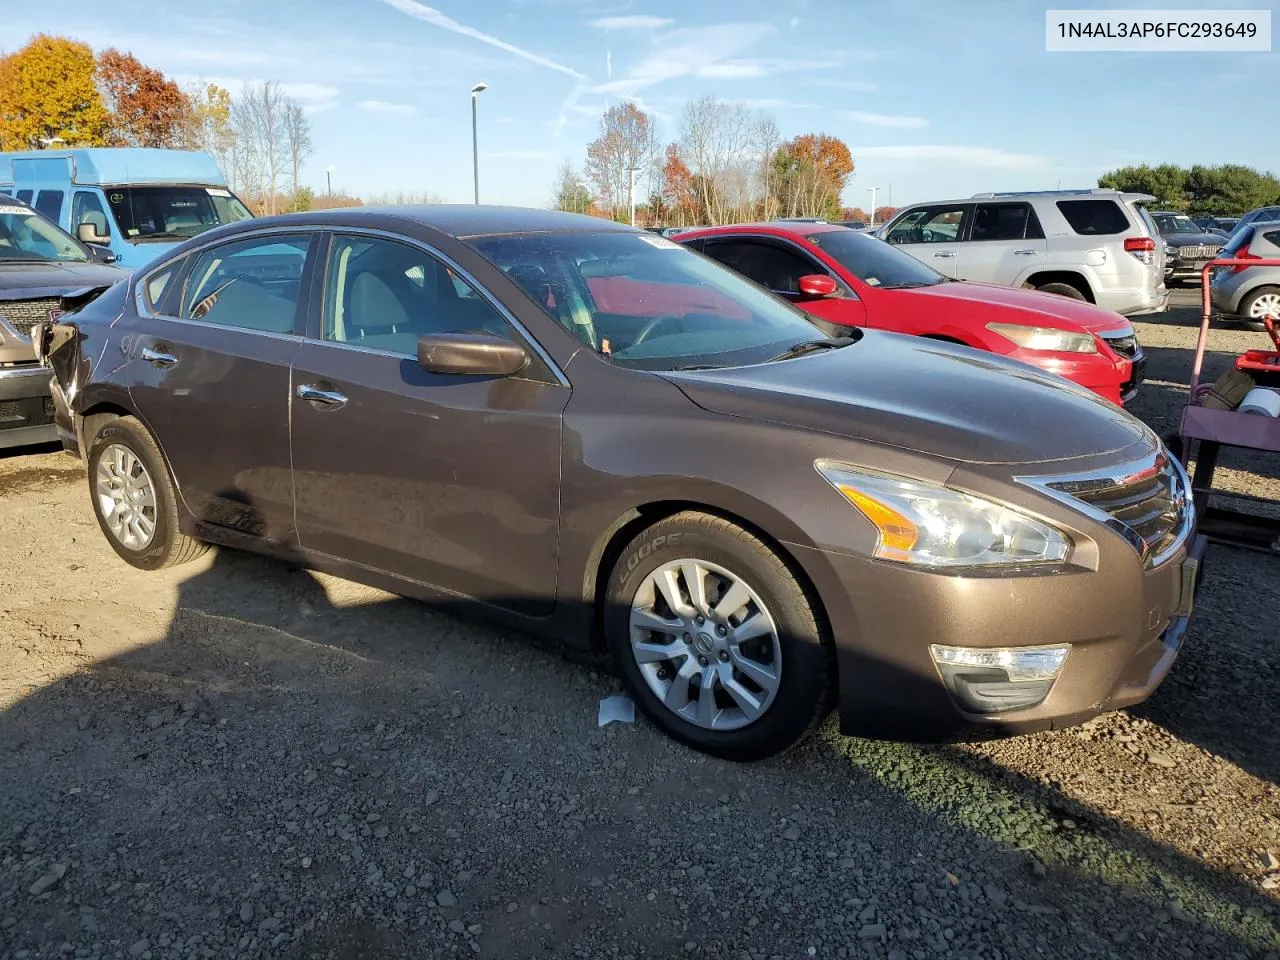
{"x": 719, "y": 643}
{"x": 134, "y": 498}
{"x": 1062, "y": 290}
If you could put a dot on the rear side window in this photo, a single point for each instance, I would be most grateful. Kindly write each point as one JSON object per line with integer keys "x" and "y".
{"x": 1094, "y": 218}
{"x": 1005, "y": 221}
{"x": 251, "y": 284}
{"x": 773, "y": 267}
{"x": 157, "y": 283}
{"x": 49, "y": 204}
{"x": 1272, "y": 237}
{"x": 24, "y": 196}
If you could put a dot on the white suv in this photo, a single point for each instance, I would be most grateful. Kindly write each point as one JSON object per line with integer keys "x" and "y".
{"x": 1095, "y": 245}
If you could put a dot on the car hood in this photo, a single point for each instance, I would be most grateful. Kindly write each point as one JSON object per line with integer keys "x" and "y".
{"x": 1031, "y": 306}
{"x": 1176, "y": 240}
{"x": 934, "y": 398}
{"x": 29, "y": 281}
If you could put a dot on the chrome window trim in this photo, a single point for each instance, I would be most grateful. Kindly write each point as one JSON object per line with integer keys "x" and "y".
{"x": 530, "y": 340}
{"x": 1119, "y": 476}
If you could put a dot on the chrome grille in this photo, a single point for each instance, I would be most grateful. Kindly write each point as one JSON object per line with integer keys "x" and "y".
{"x": 22, "y": 315}
{"x": 1146, "y": 502}
{"x": 1126, "y": 346}
{"x": 1200, "y": 251}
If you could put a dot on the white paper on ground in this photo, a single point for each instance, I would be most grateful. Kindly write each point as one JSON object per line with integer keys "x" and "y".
{"x": 617, "y": 707}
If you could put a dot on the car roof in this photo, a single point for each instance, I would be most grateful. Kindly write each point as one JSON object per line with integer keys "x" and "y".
{"x": 800, "y": 229}
{"x": 459, "y": 220}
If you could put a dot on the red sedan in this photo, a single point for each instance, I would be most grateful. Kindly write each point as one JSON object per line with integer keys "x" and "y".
{"x": 852, "y": 279}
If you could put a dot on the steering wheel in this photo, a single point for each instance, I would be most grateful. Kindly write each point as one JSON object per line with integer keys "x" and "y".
{"x": 652, "y": 325}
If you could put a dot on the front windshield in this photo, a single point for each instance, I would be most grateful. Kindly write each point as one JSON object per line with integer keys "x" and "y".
{"x": 172, "y": 213}
{"x": 873, "y": 261}
{"x": 647, "y": 302}
{"x": 25, "y": 235}
{"x": 1176, "y": 223}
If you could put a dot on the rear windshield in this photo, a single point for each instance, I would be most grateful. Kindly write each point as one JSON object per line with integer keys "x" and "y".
{"x": 1239, "y": 240}
{"x": 1094, "y": 217}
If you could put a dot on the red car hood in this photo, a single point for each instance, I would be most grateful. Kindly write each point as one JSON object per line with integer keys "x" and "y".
{"x": 1041, "y": 309}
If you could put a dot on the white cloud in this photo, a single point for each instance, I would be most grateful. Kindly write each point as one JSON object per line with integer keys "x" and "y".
{"x": 856, "y": 86}
{"x": 383, "y": 106}
{"x": 691, "y": 51}
{"x": 773, "y": 103}
{"x": 990, "y": 157}
{"x": 887, "y": 120}
{"x": 795, "y": 22}
{"x": 631, "y": 23}
{"x": 436, "y": 18}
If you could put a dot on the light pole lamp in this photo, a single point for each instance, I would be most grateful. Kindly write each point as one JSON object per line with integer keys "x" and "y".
{"x": 478, "y": 89}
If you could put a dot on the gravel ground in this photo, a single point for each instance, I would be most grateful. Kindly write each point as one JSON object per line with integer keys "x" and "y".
{"x": 241, "y": 759}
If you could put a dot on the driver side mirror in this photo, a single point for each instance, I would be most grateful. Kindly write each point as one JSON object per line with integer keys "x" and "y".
{"x": 87, "y": 232}
{"x": 471, "y": 354}
{"x": 816, "y": 286}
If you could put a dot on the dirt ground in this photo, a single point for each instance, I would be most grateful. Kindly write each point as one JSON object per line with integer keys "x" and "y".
{"x": 237, "y": 758}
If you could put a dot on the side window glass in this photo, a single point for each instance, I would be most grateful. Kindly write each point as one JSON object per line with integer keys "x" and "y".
{"x": 49, "y": 204}
{"x": 1000, "y": 221}
{"x": 384, "y": 295}
{"x": 1094, "y": 218}
{"x": 86, "y": 207}
{"x": 24, "y": 196}
{"x": 929, "y": 225}
{"x": 157, "y": 283}
{"x": 251, "y": 284}
{"x": 772, "y": 267}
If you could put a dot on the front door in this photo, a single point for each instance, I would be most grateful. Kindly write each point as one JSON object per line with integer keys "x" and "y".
{"x": 778, "y": 266}
{"x": 447, "y": 480}
{"x": 932, "y": 235}
{"x": 209, "y": 374}
{"x": 1005, "y": 246}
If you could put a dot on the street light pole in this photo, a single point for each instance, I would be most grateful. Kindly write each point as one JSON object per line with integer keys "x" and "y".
{"x": 328, "y": 179}
{"x": 478, "y": 89}
{"x": 872, "y": 191}
{"x": 634, "y": 171}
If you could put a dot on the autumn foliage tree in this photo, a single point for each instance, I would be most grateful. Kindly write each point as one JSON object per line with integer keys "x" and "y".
{"x": 811, "y": 171}
{"x": 679, "y": 198}
{"x": 49, "y": 96}
{"x": 147, "y": 108}
{"x": 627, "y": 142}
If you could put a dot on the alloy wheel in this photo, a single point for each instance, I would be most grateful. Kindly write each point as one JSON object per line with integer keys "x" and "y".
{"x": 1267, "y": 305}
{"x": 126, "y": 497}
{"x": 706, "y": 644}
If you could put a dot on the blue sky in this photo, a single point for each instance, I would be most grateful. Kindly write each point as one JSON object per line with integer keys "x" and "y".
{"x": 935, "y": 98}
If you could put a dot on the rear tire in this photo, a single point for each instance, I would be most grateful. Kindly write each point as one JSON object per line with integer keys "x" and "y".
{"x": 134, "y": 498}
{"x": 1062, "y": 290}
{"x": 764, "y": 667}
{"x": 1264, "y": 300}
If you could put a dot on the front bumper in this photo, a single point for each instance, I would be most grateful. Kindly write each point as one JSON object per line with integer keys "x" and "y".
{"x": 1125, "y": 630}
{"x": 1187, "y": 269}
{"x": 1133, "y": 301}
{"x": 26, "y": 410}
{"x": 1116, "y": 380}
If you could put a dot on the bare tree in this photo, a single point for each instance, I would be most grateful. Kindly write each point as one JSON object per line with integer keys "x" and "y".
{"x": 765, "y": 140}
{"x": 258, "y": 117}
{"x": 297, "y": 133}
{"x": 570, "y": 191}
{"x": 716, "y": 139}
{"x": 628, "y": 142}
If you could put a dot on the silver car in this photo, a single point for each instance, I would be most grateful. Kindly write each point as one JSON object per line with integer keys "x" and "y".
{"x": 1248, "y": 292}
{"x": 1095, "y": 245}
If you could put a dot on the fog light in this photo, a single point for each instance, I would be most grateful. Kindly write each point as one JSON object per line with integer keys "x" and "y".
{"x": 999, "y": 679}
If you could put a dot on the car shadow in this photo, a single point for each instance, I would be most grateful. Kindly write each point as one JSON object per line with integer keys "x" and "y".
{"x": 294, "y": 766}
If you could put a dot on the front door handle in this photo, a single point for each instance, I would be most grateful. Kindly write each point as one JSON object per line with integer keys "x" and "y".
{"x": 945, "y": 253}
{"x": 1026, "y": 253}
{"x": 157, "y": 358}
{"x": 326, "y": 398}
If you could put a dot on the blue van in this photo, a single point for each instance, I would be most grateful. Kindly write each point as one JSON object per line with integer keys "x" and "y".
{"x": 136, "y": 202}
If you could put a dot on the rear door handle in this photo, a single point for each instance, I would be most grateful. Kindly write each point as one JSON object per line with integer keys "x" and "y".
{"x": 945, "y": 253}
{"x": 157, "y": 358}
{"x": 326, "y": 398}
{"x": 1026, "y": 253}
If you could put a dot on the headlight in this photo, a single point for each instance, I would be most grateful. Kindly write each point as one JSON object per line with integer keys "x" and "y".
{"x": 937, "y": 527}
{"x": 1045, "y": 338}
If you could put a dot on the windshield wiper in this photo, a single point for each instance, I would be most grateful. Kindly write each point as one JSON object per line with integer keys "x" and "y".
{"x": 809, "y": 346}
{"x": 160, "y": 236}
{"x": 912, "y": 284}
{"x": 699, "y": 366}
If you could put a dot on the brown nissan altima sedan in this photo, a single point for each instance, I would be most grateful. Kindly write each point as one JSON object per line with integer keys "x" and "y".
{"x": 589, "y": 431}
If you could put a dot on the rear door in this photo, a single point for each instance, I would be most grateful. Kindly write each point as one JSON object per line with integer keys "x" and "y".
{"x": 778, "y": 266}
{"x": 448, "y": 480}
{"x": 1005, "y": 244}
{"x": 933, "y": 235}
{"x": 209, "y": 373}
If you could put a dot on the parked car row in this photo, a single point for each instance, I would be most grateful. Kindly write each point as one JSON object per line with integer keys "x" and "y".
{"x": 761, "y": 509}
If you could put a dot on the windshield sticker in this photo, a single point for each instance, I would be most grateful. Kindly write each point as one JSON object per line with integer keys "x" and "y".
{"x": 20, "y": 211}
{"x": 133, "y": 231}
{"x": 660, "y": 242}
{"x": 872, "y": 281}
{"x": 117, "y": 197}
{"x": 217, "y": 192}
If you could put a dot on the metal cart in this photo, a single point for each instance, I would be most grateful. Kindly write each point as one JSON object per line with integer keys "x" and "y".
{"x": 1204, "y": 431}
